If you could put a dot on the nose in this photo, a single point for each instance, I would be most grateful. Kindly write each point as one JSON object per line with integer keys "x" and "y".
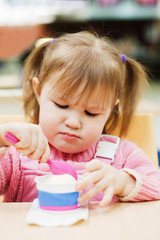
{"x": 73, "y": 120}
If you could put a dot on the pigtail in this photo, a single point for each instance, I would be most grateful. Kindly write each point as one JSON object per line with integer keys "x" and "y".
{"x": 32, "y": 68}
{"x": 135, "y": 81}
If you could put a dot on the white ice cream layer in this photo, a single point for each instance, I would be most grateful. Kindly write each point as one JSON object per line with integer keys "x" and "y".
{"x": 60, "y": 179}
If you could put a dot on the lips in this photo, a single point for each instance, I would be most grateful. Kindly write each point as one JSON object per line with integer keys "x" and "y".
{"x": 69, "y": 136}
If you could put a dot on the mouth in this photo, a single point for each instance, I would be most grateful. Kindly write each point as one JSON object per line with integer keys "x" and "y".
{"x": 69, "y": 136}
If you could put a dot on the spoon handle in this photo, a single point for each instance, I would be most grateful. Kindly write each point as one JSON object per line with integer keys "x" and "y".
{"x": 11, "y": 138}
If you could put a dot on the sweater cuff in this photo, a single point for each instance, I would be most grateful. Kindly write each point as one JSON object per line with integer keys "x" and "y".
{"x": 133, "y": 194}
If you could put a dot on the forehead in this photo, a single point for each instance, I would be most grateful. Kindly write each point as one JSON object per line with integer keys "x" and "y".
{"x": 83, "y": 93}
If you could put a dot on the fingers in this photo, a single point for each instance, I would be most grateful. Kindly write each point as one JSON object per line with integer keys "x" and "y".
{"x": 95, "y": 173}
{"x": 35, "y": 146}
{"x": 38, "y": 145}
{"x": 108, "y": 195}
{"x": 28, "y": 143}
{"x": 32, "y": 141}
{"x": 100, "y": 177}
{"x": 89, "y": 179}
{"x": 94, "y": 165}
{"x": 42, "y": 150}
{"x": 92, "y": 191}
{"x": 107, "y": 198}
{"x": 46, "y": 154}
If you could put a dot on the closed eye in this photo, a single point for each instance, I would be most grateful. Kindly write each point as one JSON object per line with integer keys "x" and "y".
{"x": 91, "y": 114}
{"x": 61, "y": 106}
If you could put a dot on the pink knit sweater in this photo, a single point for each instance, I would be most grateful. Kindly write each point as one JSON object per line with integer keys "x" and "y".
{"x": 17, "y": 173}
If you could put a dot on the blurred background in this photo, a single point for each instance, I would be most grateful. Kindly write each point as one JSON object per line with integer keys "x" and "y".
{"x": 133, "y": 24}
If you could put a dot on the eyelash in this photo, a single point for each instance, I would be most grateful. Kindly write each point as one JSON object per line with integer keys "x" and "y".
{"x": 91, "y": 114}
{"x": 61, "y": 106}
{"x": 66, "y": 106}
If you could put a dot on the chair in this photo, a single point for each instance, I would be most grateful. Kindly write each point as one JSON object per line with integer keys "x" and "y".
{"x": 141, "y": 131}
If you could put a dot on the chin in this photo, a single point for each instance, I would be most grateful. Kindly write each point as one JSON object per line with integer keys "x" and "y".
{"x": 72, "y": 149}
{"x": 67, "y": 150}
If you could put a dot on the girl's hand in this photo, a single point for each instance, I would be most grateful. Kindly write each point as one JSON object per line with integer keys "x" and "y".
{"x": 32, "y": 141}
{"x": 104, "y": 178}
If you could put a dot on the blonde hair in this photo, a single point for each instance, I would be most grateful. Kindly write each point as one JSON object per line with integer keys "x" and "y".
{"x": 89, "y": 61}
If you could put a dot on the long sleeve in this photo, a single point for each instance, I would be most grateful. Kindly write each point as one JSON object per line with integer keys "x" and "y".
{"x": 9, "y": 173}
{"x": 147, "y": 176}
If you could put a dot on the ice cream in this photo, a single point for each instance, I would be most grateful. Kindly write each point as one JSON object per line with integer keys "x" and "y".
{"x": 60, "y": 179}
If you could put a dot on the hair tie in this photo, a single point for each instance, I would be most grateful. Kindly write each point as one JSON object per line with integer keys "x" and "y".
{"x": 123, "y": 58}
{"x": 53, "y": 40}
{"x": 43, "y": 40}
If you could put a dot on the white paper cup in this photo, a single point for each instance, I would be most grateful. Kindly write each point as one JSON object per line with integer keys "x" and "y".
{"x": 56, "y": 197}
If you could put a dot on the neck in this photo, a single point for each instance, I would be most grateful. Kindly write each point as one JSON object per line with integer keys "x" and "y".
{"x": 84, "y": 156}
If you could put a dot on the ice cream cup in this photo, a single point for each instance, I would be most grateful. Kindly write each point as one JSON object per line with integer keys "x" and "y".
{"x": 56, "y": 197}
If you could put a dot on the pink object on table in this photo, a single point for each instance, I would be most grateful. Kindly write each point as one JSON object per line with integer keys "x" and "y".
{"x": 57, "y": 167}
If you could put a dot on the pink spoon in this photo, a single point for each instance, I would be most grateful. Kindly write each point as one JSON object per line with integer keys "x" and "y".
{"x": 57, "y": 167}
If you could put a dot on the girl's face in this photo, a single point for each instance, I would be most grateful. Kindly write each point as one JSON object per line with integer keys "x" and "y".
{"x": 69, "y": 126}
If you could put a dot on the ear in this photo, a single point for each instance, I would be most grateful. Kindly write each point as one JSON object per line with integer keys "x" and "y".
{"x": 117, "y": 101}
{"x": 35, "y": 83}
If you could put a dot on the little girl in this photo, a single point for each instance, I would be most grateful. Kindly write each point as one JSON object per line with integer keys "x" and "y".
{"x": 75, "y": 87}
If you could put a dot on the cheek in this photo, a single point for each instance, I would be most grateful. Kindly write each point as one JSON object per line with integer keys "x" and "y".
{"x": 98, "y": 125}
{"x": 94, "y": 129}
{"x": 47, "y": 121}
{"x": 92, "y": 136}
{"x": 45, "y": 125}
{"x": 49, "y": 128}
